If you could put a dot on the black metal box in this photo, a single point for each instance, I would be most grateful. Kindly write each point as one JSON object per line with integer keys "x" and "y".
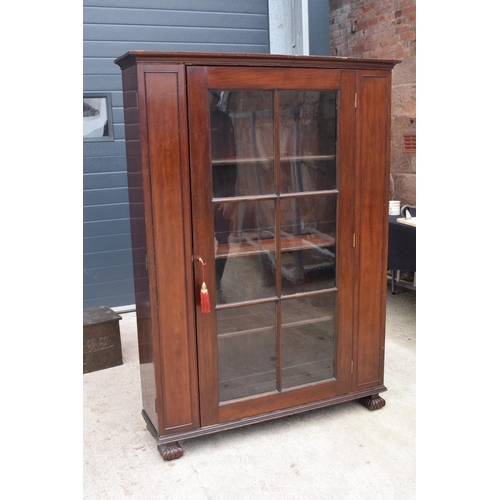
{"x": 102, "y": 347}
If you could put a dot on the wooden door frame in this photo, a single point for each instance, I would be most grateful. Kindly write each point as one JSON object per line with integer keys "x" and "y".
{"x": 200, "y": 79}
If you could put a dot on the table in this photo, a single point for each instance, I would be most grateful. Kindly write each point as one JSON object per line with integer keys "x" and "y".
{"x": 402, "y": 248}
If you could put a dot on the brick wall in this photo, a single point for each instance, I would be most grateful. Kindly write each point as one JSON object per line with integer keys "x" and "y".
{"x": 385, "y": 29}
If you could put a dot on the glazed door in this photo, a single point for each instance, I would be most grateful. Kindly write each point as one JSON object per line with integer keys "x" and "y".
{"x": 272, "y": 171}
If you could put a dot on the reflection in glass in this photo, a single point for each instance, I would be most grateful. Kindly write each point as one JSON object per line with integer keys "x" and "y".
{"x": 246, "y": 351}
{"x": 244, "y": 203}
{"x": 245, "y": 250}
{"x": 308, "y": 227}
{"x": 242, "y": 133}
{"x": 307, "y": 339}
{"x": 245, "y": 278}
{"x": 308, "y": 141}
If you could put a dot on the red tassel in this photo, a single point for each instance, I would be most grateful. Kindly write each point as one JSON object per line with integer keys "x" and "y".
{"x": 205, "y": 299}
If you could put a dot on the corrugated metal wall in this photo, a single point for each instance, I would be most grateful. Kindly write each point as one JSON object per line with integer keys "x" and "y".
{"x": 111, "y": 28}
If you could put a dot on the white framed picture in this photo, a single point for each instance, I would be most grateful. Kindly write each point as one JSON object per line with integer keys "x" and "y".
{"x": 97, "y": 117}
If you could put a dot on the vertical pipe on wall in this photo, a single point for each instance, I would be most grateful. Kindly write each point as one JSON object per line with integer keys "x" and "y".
{"x": 289, "y": 27}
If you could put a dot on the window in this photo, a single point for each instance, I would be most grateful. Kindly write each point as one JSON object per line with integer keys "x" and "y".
{"x": 97, "y": 117}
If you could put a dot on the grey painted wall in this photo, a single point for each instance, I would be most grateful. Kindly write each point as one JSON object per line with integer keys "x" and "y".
{"x": 319, "y": 27}
{"x": 111, "y": 28}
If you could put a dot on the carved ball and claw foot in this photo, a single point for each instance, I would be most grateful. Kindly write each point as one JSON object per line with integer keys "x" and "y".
{"x": 170, "y": 451}
{"x": 373, "y": 402}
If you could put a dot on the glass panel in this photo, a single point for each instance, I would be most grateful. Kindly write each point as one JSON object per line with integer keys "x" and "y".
{"x": 308, "y": 228}
{"x": 308, "y": 339}
{"x": 247, "y": 350}
{"x": 242, "y": 143}
{"x": 245, "y": 250}
{"x": 308, "y": 140}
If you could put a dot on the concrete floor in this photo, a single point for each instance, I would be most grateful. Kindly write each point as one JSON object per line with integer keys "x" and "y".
{"x": 343, "y": 452}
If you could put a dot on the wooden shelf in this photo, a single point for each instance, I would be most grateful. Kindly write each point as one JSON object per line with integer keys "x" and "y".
{"x": 270, "y": 328}
{"x": 308, "y": 158}
{"x": 270, "y": 159}
{"x": 288, "y": 244}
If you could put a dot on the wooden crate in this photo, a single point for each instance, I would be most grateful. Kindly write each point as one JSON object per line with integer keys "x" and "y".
{"x": 102, "y": 347}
